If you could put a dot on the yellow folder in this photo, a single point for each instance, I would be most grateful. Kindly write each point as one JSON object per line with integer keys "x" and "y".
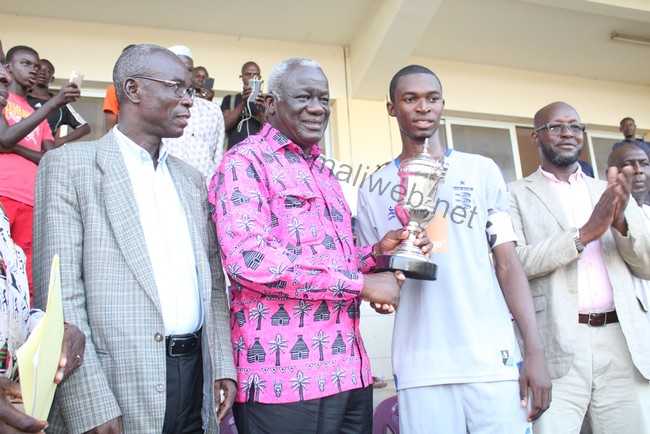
{"x": 38, "y": 357}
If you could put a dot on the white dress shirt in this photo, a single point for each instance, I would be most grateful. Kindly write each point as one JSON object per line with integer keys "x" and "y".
{"x": 167, "y": 234}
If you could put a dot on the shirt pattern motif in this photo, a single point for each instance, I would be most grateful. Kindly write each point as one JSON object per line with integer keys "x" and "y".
{"x": 286, "y": 240}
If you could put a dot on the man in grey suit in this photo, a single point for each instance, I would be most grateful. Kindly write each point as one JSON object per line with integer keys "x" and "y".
{"x": 581, "y": 241}
{"x": 140, "y": 266}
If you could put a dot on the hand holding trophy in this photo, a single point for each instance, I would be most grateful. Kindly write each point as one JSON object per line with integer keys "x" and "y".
{"x": 420, "y": 177}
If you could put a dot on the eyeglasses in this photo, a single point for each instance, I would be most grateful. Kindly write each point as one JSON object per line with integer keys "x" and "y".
{"x": 557, "y": 127}
{"x": 180, "y": 88}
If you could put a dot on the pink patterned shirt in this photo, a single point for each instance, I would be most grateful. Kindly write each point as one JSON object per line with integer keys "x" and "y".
{"x": 286, "y": 242}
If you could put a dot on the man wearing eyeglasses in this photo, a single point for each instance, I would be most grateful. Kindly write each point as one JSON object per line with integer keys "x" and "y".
{"x": 581, "y": 242}
{"x": 201, "y": 144}
{"x": 140, "y": 266}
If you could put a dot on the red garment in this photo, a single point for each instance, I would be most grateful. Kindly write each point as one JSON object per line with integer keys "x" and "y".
{"x": 18, "y": 177}
{"x": 18, "y": 174}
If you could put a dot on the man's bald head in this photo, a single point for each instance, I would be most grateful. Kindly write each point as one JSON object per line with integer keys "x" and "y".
{"x": 549, "y": 111}
{"x": 625, "y": 152}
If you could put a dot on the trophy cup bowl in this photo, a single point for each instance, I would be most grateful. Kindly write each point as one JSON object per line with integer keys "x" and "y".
{"x": 420, "y": 177}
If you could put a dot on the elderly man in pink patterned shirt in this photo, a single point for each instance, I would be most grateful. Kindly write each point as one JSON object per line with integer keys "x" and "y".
{"x": 286, "y": 237}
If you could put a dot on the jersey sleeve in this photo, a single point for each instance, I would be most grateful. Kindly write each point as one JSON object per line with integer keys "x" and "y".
{"x": 498, "y": 228}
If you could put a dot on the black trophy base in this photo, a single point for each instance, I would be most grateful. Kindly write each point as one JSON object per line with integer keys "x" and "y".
{"x": 412, "y": 268}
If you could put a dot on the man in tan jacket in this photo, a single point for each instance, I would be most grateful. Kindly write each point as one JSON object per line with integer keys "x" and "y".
{"x": 581, "y": 241}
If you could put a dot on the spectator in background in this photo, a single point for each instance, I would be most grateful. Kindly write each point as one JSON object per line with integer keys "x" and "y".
{"x": 201, "y": 145}
{"x": 65, "y": 115}
{"x": 630, "y": 155}
{"x": 628, "y": 128}
{"x": 243, "y": 118}
{"x": 24, "y": 136}
{"x": 17, "y": 319}
{"x": 111, "y": 108}
{"x": 199, "y": 74}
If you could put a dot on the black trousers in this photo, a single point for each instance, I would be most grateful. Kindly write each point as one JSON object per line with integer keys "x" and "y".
{"x": 348, "y": 412}
{"x": 184, "y": 394}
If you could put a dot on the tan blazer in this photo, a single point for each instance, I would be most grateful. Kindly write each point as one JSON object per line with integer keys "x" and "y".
{"x": 86, "y": 212}
{"x": 547, "y": 250}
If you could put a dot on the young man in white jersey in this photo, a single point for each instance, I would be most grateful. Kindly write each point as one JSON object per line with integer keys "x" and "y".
{"x": 456, "y": 360}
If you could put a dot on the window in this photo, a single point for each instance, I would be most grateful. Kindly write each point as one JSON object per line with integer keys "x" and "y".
{"x": 600, "y": 145}
{"x": 490, "y": 139}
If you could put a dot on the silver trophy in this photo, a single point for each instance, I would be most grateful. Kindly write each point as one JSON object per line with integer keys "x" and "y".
{"x": 420, "y": 176}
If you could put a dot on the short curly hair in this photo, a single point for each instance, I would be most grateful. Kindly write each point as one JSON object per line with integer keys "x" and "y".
{"x": 280, "y": 72}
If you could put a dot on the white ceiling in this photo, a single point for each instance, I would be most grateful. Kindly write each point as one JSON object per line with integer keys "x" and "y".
{"x": 569, "y": 37}
{"x": 535, "y": 36}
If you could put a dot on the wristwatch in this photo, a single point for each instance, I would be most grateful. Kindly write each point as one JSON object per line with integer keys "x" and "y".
{"x": 576, "y": 239}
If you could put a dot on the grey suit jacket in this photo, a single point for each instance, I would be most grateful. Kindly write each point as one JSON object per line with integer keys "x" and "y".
{"x": 547, "y": 250}
{"x": 86, "y": 212}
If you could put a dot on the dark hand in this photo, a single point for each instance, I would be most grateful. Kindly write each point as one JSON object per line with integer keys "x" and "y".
{"x": 246, "y": 93}
{"x": 602, "y": 217}
{"x": 381, "y": 288}
{"x": 622, "y": 184}
{"x": 206, "y": 94}
{"x": 386, "y": 308}
{"x": 72, "y": 352}
{"x": 13, "y": 420}
{"x": 68, "y": 93}
{"x": 534, "y": 375}
{"x": 229, "y": 388}
{"x": 393, "y": 238}
{"x": 113, "y": 426}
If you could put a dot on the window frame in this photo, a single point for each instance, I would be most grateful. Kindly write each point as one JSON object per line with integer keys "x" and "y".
{"x": 449, "y": 122}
